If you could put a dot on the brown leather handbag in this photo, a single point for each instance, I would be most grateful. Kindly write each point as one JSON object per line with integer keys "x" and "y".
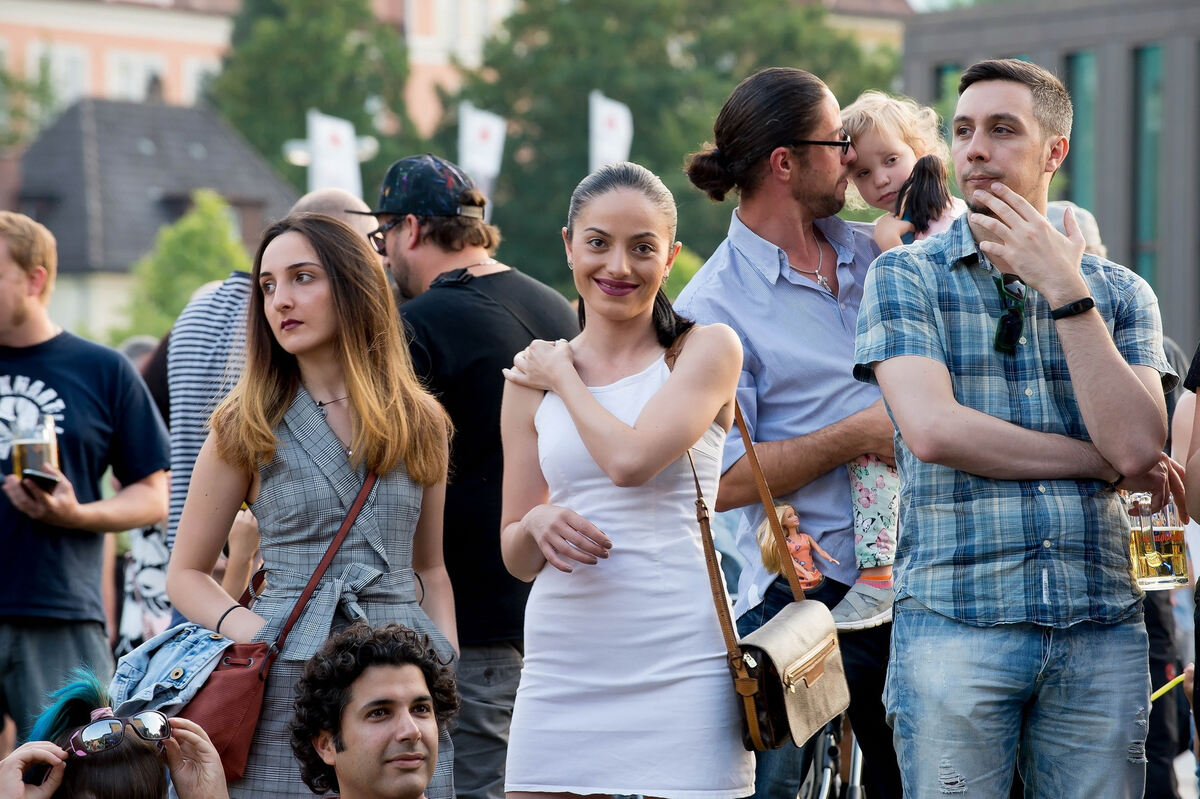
{"x": 228, "y": 705}
{"x": 788, "y": 673}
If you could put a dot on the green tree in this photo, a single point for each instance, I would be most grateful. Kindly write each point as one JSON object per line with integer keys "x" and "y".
{"x": 25, "y": 103}
{"x": 288, "y": 56}
{"x": 673, "y": 62}
{"x": 200, "y": 247}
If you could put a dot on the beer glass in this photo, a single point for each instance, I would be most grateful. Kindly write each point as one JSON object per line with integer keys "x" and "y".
{"x": 1156, "y": 545}
{"x": 35, "y": 446}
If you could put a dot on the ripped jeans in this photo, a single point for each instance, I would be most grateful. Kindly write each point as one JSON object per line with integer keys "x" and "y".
{"x": 1069, "y": 706}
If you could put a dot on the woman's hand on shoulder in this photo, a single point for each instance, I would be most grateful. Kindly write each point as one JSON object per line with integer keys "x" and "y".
{"x": 543, "y": 365}
{"x": 565, "y": 538}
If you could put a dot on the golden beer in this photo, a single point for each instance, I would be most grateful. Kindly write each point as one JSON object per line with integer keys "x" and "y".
{"x": 32, "y": 453}
{"x": 1156, "y": 545}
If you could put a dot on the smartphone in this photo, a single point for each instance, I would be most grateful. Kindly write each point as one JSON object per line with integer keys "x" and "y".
{"x": 43, "y": 480}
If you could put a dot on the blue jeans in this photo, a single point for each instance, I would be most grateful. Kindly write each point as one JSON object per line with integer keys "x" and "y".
{"x": 1068, "y": 706}
{"x": 779, "y": 772}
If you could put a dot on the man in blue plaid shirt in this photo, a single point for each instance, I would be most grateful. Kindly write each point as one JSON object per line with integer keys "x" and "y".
{"x": 1026, "y": 381}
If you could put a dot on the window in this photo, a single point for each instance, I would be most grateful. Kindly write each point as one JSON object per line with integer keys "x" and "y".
{"x": 68, "y": 65}
{"x": 1148, "y": 91}
{"x": 196, "y": 73}
{"x": 1081, "y": 160}
{"x": 129, "y": 74}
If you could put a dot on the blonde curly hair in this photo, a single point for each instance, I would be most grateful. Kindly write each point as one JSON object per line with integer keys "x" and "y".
{"x": 916, "y": 125}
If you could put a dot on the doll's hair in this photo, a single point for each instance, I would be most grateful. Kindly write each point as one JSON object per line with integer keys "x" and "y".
{"x": 926, "y": 193}
{"x": 915, "y": 125}
{"x": 766, "y": 541}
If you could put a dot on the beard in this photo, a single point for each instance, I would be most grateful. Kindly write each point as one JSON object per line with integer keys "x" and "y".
{"x": 820, "y": 203}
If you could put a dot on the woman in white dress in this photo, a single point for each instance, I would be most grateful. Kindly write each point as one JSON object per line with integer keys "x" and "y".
{"x": 625, "y": 689}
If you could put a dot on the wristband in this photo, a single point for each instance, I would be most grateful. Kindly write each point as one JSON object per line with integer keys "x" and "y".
{"x": 1073, "y": 308}
{"x": 1113, "y": 485}
{"x": 223, "y": 615}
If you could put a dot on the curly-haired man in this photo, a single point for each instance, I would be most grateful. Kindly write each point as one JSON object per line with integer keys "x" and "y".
{"x": 368, "y": 710}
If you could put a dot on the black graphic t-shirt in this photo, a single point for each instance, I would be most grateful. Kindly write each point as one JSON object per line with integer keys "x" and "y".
{"x": 103, "y": 416}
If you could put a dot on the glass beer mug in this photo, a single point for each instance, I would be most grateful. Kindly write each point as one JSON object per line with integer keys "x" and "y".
{"x": 1156, "y": 545}
{"x": 35, "y": 447}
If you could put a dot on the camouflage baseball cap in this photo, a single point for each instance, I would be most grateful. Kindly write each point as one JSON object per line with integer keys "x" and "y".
{"x": 427, "y": 186}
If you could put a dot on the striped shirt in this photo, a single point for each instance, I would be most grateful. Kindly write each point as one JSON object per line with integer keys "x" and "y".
{"x": 983, "y": 551}
{"x": 204, "y": 361}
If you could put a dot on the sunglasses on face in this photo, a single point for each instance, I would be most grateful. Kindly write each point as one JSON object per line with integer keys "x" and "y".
{"x": 108, "y": 733}
{"x": 844, "y": 143}
{"x": 378, "y": 236}
{"x": 1012, "y": 319}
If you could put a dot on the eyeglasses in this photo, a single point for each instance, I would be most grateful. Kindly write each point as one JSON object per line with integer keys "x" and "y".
{"x": 1012, "y": 320}
{"x": 377, "y": 236}
{"x": 843, "y": 143}
{"x": 108, "y": 733}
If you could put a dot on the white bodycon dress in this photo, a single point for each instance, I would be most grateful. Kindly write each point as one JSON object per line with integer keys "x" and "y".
{"x": 625, "y": 689}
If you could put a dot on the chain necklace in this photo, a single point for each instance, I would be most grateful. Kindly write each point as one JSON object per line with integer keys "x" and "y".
{"x": 488, "y": 262}
{"x": 821, "y": 281}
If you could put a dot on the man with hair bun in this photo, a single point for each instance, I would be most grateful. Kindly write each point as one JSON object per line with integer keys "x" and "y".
{"x": 788, "y": 278}
{"x": 466, "y": 315}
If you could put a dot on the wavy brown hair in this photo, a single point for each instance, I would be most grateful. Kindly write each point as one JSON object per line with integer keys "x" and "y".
{"x": 396, "y": 421}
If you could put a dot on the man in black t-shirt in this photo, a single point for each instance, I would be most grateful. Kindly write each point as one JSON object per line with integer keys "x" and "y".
{"x": 51, "y": 615}
{"x": 466, "y": 316}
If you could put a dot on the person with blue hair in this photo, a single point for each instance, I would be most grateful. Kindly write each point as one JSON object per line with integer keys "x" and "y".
{"x": 109, "y": 757}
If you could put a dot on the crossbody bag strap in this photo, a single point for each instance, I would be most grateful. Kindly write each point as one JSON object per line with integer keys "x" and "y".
{"x": 744, "y": 685}
{"x": 323, "y": 566}
{"x": 764, "y": 495}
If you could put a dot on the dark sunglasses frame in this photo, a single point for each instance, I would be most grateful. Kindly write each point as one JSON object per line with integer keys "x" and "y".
{"x": 843, "y": 143}
{"x": 378, "y": 238}
{"x": 1012, "y": 320}
{"x": 105, "y": 737}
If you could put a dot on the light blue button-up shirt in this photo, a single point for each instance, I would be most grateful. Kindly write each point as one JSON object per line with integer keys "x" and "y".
{"x": 797, "y": 373}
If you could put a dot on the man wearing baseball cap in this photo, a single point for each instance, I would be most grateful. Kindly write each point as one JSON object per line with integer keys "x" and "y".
{"x": 466, "y": 316}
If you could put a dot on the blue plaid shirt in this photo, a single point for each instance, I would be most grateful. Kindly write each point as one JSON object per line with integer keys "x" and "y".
{"x": 983, "y": 551}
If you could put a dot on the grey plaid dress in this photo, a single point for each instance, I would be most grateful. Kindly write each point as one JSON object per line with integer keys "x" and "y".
{"x": 304, "y": 495}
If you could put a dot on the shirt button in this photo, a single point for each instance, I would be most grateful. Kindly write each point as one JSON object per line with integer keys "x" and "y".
{"x": 1046, "y": 543}
{"x": 843, "y": 306}
{"x": 1029, "y": 392}
{"x": 1042, "y": 489}
{"x": 1022, "y": 340}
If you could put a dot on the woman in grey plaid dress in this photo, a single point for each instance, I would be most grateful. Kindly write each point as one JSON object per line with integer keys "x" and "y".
{"x": 327, "y": 394}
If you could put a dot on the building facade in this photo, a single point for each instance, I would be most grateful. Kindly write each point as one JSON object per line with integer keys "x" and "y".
{"x": 1133, "y": 70}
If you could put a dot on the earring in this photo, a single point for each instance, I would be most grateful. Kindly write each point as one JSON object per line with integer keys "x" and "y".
{"x": 570, "y": 264}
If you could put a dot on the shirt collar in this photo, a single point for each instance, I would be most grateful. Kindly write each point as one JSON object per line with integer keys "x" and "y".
{"x": 960, "y": 245}
{"x": 770, "y": 260}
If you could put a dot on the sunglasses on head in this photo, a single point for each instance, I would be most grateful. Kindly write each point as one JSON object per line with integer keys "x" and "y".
{"x": 107, "y": 733}
{"x": 1012, "y": 319}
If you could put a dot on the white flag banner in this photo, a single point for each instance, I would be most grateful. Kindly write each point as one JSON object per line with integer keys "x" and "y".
{"x": 334, "y": 150}
{"x": 480, "y": 142}
{"x": 610, "y": 129}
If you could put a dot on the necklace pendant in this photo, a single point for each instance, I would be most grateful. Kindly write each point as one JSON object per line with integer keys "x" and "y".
{"x": 823, "y": 283}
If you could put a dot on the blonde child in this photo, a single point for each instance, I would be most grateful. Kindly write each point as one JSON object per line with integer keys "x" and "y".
{"x": 901, "y": 167}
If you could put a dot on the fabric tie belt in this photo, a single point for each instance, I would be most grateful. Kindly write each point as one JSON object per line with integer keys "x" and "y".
{"x": 356, "y": 583}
